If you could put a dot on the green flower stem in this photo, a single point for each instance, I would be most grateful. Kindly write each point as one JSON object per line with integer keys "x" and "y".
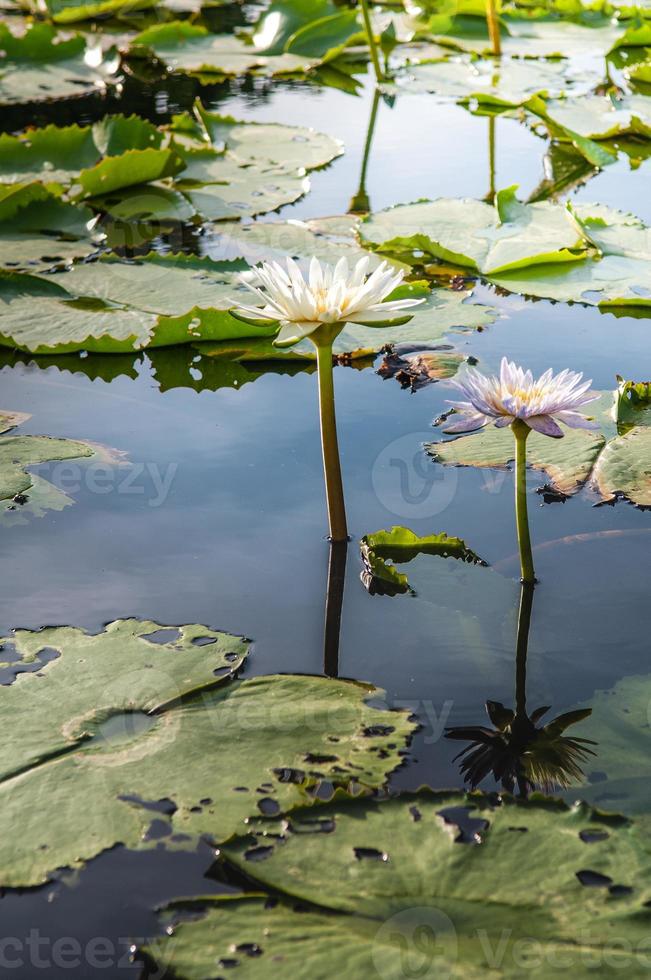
{"x": 493, "y": 27}
{"x": 329, "y": 445}
{"x": 521, "y": 431}
{"x": 371, "y": 41}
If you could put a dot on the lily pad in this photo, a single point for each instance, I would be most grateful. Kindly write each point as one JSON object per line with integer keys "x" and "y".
{"x": 119, "y": 151}
{"x": 568, "y": 462}
{"x": 17, "y": 455}
{"x": 223, "y": 168}
{"x": 386, "y": 878}
{"x": 116, "y": 305}
{"x": 536, "y": 37}
{"x": 401, "y": 545}
{"x": 192, "y": 49}
{"x": 490, "y": 239}
{"x": 596, "y": 124}
{"x": 45, "y": 232}
{"x": 620, "y": 720}
{"x": 73, "y": 11}
{"x": 504, "y": 84}
{"x": 617, "y": 274}
{"x": 38, "y": 66}
{"x": 271, "y": 145}
{"x": 104, "y": 725}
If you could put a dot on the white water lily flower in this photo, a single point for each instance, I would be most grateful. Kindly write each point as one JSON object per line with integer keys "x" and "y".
{"x": 328, "y": 295}
{"x": 540, "y": 403}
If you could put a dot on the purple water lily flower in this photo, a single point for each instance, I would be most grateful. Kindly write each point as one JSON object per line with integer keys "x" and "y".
{"x": 541, "y": 404}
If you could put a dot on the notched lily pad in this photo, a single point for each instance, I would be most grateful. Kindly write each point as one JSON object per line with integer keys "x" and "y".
{"x": 400, "y": 545}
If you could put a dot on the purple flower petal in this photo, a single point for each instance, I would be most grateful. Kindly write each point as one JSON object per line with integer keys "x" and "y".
{"x": 468, "y": 424}
{"x": 503, "y": 420}
{"x": 576, "y": 421}
{"x": 545, "y": 425}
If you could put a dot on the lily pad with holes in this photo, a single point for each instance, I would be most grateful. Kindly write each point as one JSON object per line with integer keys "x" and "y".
{"x": 455, "y": 882}
{"x": 383, "y": 550}
{"x": 40, "y": 66}
{"x": 490, "y": 239}
{"x": 105, "y": 726}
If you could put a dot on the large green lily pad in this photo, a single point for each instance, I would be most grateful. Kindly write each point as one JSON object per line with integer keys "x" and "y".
{"x": 113, "y": 305}
{"x": 38, "y": 66}
{"x": 390, "y": 879}
{"x": 488, "y": 238}
{"x": 110, "y": 724}
{"x": 536, "y": 37}
{"x": 616, "y": 270}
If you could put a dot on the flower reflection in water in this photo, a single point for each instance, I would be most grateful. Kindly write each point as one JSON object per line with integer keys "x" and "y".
{"x": 518, "y": 752}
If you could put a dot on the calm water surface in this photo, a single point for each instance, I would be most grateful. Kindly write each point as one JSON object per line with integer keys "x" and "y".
{"x": 234, "y": 538}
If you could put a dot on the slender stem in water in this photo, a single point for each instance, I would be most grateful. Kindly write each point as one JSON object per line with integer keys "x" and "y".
{"x": 521, "y": 431}
{"x": 493, "y": 27}
{"x": 371, "y": 41}
{"x": 491, "y": 157}
{"x": 329, "y": 445}
{"x": 524, "y": 623}
{"x": 334, "y": 603}
{"x": 360, "y": 204}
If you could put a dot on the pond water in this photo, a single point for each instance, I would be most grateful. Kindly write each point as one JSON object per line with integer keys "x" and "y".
{"x": 223, "y": 522}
